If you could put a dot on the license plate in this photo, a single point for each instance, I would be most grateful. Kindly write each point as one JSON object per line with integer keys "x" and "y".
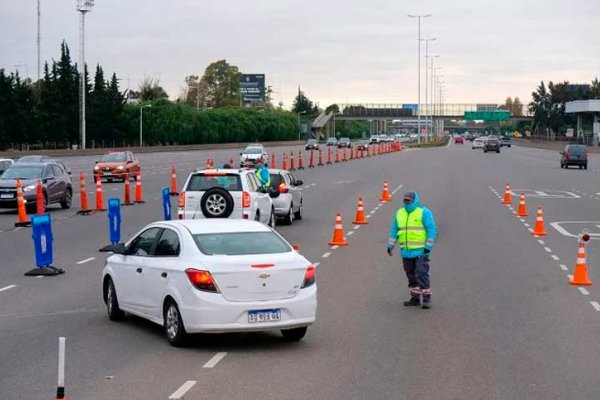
{"x": 107, "y": 173}
{"x": 6, "y": 196}
{"x": 264, "y": 315}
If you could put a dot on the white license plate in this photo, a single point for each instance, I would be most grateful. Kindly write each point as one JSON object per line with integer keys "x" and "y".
{"x": 107, "y": 173}
{"x": 264, "y": 315}
{"x": 6, "y": 196}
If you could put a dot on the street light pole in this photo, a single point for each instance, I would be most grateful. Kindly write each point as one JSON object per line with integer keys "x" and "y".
{"x": 419, "y": 72}
{"x": 427, "y": 111}
{"x": 83, "y": 7}
{"x": 39, "y": 40}
{"x": 142, "y": 123}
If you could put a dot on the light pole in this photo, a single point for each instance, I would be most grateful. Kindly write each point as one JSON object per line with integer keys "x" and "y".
{"x": 419, "y": 72}
{"x": 299, "y": 123}
{"x": 83, "y": 7}
{"x": 142, "y": 123}
{"x": 427, "y": 40}
{"x": 433, "y": 87}
{"x": 39, "y": 40}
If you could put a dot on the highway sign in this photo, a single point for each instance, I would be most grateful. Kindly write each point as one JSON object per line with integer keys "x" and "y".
{"x": 252, "y": 88}
{"x": 496, "y": 115}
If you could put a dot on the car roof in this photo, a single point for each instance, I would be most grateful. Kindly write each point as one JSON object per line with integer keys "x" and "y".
{"x": 222, "y": 170}
{"x": 217, "y": 225}
{"x": 277, "y": 171}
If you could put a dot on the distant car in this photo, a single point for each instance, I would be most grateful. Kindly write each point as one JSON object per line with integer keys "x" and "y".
{"x": 288, "y": 205}
{"x": 414, "y": 136}
{"x": 331, "y": 142}
{"x": 115, "y": 165}
{"x": 491, "y": 144}
{"x": 344, "y": 142}
{"x": 459, "y": 140}
{"x": 39, "y": 159}
{"x": 56, "y": 185}
{"x": 253, "y": 153}
{"x": 505, "y": 141}
{"x": 311, "y": 144}
{"x": 374, "y": 139}
{"x": 5, "y": 163}
{"x": 226, "y": 193}
{"x": 211, "y": 277}
{"x": 362, "y": 145}
{"x": 477, "y": 144}
{"x": 574, "y": 154}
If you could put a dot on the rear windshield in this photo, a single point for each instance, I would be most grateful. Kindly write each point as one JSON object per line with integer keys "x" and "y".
{"x": 201, "y": 183}
{"x": 114, "y": 157}
{"x": 253, "y": 150}
{"x": 241, "y": 243}
{"x": 332, "y": 140}
{"x": 23, "y": 172}
{"x": 576, "y": 149}
{"x": 312, "y": 141}
{"x": 276, "y": 179}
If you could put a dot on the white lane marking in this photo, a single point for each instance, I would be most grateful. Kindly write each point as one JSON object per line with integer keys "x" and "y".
{"x": 595, "y": 305}
{"x": 86, "y": 260}
{"x": 548, "y": 249}
{"x": 7, "y": 287}
{"x": 350, "y": 233}
{"x": 214, "y": 361}
{"x": 522, "y": 220}
{"x": 555, "y": 257}
{"x": 381, "y": 204}
{"x": 526, "y": 224}
{"x": 583, "y": 291}
{"x": 326, "y": 254}
{"x": 540, "y": 241}
{"x": 313, "y": 184}
{"x": 334, "y": 247}
{"x": 369, "y": 216}
{"x": 564, "y": 267}
{"x": 316, "y": 264}
{"x": 356, "y": 227}
{"x": 570, "y": 277}
{"x": 18, "y": 228}
{"x": 183, "y": 389}
{"x": 39, "y": 276}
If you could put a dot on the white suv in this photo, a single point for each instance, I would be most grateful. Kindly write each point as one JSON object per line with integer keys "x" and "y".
{"x": 226, "y": 193}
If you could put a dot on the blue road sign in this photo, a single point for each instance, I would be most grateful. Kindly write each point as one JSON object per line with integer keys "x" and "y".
{"x": 166, "y": 196}
{"x": 114, "y": 220}
{"x": 42, "y": 239}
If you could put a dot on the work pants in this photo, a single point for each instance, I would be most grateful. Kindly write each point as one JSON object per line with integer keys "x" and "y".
{"x": 417, "y": 272}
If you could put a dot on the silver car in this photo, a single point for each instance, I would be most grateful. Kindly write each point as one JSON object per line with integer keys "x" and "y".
{"x": 251, "y": 154}
{"x": 288, "y": 205}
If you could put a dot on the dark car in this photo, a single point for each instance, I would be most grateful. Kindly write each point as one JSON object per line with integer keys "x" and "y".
{"x": 574, "y": 154}
{"x": 56, "y": 184}
{"x": 491, "y": 144}
{"x": 311, "y": 144}
{"x": 331, "y": 142}
{"x": 41, "y": 159}
{"x": 5, "y": 163}
{"x": 505, "y": 141}
{"x": 344, "y": 142}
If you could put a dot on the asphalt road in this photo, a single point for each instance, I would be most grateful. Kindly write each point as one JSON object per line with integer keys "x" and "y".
{"x": 504, "y": 324}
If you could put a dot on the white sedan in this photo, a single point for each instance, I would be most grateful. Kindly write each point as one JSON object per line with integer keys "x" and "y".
{"x": 477, "y": 143}
{"x": 211, "y": 276}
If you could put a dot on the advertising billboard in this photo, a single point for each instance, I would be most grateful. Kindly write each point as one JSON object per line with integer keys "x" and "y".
{"x": 252, "y": 88}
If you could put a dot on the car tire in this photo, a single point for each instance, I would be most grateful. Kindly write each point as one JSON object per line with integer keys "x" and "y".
{"x": 295, "y": 334}
{"x": 298, "y": 214}
{"x": 173, "y": 325}
{"x": 498, "y": 152}
{"x": 581, "y": 167}
{"x": 289, "y": 218}
{"x": 585, "y": 166}
{"x": 112, "y": 302}
{"x": 562, "y": 165}
{"x": 485, "y": 151}
{"x": 67, "y": 200}
{"x": 216, "y": 203}
{"x": 271, "y": 223}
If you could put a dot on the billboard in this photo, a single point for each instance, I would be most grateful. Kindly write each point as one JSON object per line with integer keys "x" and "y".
{"x": 252, "y": 88}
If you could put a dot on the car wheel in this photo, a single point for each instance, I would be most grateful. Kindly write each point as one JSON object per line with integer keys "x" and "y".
{"x": 498, "y": 152}
{"x": 289, "y": 218}
{"x": 585, "y": 166}
{"x": 562, "y": 165}
{"x": 298, "y": 214}
{"x": 271, "y": 222}
{"x": 485, "y": 151}
{"x": 216, "y": 203}
{"x": 295, "y": 334}
{"x": 67, "y": 200}
{"x": 581, "y": 167}
{"x": 173, "y": 325}
{"x": 112, "y": 303}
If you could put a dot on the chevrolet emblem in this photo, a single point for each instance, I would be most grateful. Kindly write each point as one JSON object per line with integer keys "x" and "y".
{"x": 264, "y": 275}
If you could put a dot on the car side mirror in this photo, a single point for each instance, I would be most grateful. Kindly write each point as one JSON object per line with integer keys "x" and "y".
{"x": 299, "y": 182}
{"x": 241, "y": 154}
{"x": 118, "y": 248}
{"x": 97, "y": 161}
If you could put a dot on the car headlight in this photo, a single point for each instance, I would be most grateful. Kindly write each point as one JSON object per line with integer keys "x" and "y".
{"x": 29, "y": 188}
{"x": 96, "y": 168}
{"x": 120, "y": 168}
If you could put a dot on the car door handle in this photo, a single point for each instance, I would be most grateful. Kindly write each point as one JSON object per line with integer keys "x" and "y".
{"x": 163, "y": 275}
{"x": 139, "y": 270}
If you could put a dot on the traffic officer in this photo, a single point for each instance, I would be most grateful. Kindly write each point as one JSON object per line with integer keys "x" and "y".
{"x": 414, "y": 229}
{"x": 262, "y": 173}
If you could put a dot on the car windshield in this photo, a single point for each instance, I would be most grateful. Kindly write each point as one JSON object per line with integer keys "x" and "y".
{"x": 241, "y": 243}
{"x": 114, "y": 157}
{"x": 253, "y": 150}
{"x": 331, "y": 140}
{"x": 276, "y": 179}
{"x": 312, "y": 141}
{"x": 344, "y": 139}
{"x": 201, "y": 182}
{"x": 23, "y": 172}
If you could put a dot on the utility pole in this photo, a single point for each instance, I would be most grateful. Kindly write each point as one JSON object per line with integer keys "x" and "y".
{"x": 83, "y": 7}
{"x": 427, "y": 111}
{"x": 39, "y": 40}
{"x": 419, "y": 72}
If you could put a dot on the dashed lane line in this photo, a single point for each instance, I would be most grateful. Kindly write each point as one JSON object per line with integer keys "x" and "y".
{"x": 7, "y": 287}
{"x": 555, "y": 257}
{"x": 548, "y": 249}
{"x": 86, "y": 260}
{"x": 583, "y": 291}
{"x": 350, "y": 233}
{"x": 335, "y": 247}
{"x": 564, "y": 267}
{"x": 183, "y": 389}
{"x": 316, "y": 264}
{"x": 356, "y": 227}
{"x": 595, "y": 305}
{"x": 215, "y": 360}
{"x": 540, "y": 241}
{"x": 326, "y": 254}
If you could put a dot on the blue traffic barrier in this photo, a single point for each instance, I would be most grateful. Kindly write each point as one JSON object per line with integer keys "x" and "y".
{"x": 42, "y": 243}
{"x": 114, "y": 224}
{"x": 166, "y": 197}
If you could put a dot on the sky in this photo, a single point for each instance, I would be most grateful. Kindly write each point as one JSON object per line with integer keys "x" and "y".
{"x": 336, "y": 51}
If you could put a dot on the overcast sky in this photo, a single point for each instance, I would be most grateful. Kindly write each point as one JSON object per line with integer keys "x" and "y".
{"x": 337, "y": 51}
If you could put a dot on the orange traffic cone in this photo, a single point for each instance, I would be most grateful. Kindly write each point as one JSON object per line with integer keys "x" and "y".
{"x": 329, "y": 155}
{"x": 311, "y": 159}
{"x": 173, "y": 190}
{"x": 39, "y": 198}
{"x": 539, "y": 229}
{"x": 507, "y": 197}
{"x": 360, "y": 214}
{"x": 580, "y": 274}
{"x": 338, "y": 232}
{"x": 344, "y": 155}
{"x": 231, "y": 165}
{"x": 127, "y": 191}
{"x": 85, "y": 208}
{"x": 207, "y": 164}
{"x": 385, "y": 195}
{"x": 273, "y": 165}
{"x": 320, "y": 164}
{"x": 284, "y": 161}
{"x": 138, "y": 188}
{"x": 292, "y": 163}
{"x": 522, "y": 212}
{"x": 300, "y": 160}
{"x": 22, "y": 221}
{"x": 337, "y": 154}
{"x": 99, "y": 195}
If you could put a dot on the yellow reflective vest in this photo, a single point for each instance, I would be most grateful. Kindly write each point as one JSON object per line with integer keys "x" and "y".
{"x": 411, "y": 231}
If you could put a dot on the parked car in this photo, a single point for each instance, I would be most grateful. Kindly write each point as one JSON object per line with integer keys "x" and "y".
{"x": 374, "y": 139}
{"x": 115, "y": 165}
{"x": 311, "y": 144}
{"x": 344, "y": 142}
{"x": 477, "y": 143}
{"x": 288, "y": 205}
{"x": 211, "y": 277}
{"x": 226, "y": 193}
{"x": 56, "y": 185}
{"x": 251, "y": 154}
{"x": 5, "y": 164}
{"x": 459, "y": 140}
{"x": 505, "y": 141}
{"x": 362, "y": 145}
{"x": 491, "y": 144}
{"x": 574, "y": 154}
{"x": 39, "y": 159}
{"x": 331, "y": 142}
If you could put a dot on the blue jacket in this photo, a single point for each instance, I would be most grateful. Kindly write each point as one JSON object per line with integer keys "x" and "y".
{"x": 263, "y": 173}
{"x": 430, "y": 229}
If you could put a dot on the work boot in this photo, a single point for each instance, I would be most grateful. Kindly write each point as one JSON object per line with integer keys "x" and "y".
{"x": 412, "y": 302}
{"x": 426, "y": 305}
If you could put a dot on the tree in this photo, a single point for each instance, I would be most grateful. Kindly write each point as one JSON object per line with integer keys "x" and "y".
{"x": 333, "y": 108}
{"x": 150, "y": 89}
{"x": 97, "y": 108}
{"x": 191, "y": 93}
{"x": 540, "y": 107}
{"x": 595, "y": 89}
{"x": 303, "y": 104}
{"x": 220, "y": 85}
{"x": 517, "y": 110}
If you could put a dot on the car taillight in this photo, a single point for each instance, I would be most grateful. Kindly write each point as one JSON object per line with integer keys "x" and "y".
{"x": 182, "y": 200}
{"x": 282, "y": 188}
{"x": 567, "y": 155}
{"x": 246, "y": 200}
{"x": 309, "y": 277}
{"x": 201, "y": 280}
